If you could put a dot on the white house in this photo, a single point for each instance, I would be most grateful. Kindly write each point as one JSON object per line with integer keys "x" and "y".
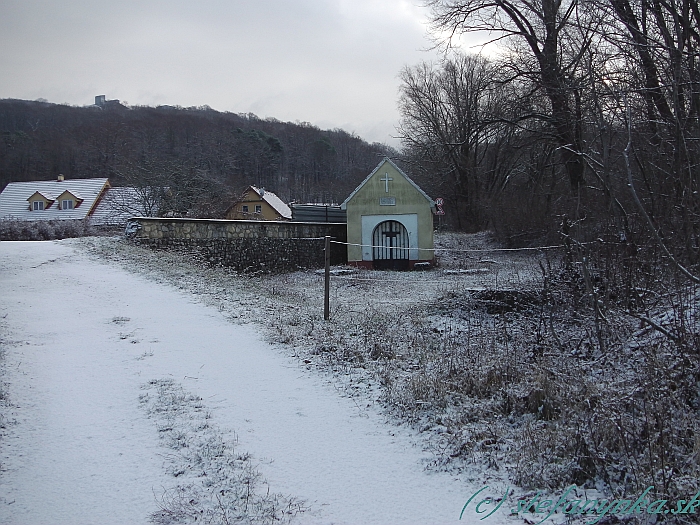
{"x": 75, "y": 199}
{"x": 59, "y": 199}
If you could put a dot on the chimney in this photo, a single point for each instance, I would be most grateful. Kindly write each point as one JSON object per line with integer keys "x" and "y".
{"x": 262, "y": 192}
{"x": 60, "y": 178}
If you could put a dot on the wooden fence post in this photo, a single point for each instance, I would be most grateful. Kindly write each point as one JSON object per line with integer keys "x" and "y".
{"x": 326, "y": 291}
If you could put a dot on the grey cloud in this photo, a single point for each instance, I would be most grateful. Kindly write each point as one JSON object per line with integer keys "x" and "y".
{"x": 323, "y": 61}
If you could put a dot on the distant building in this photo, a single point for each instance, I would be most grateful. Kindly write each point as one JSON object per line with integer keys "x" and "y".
{"x": 102, "y": 102}
{"x": 317, "y": 213}
{"x": 259, "y": 204}
{"x": 58, "y": 199}
{"x": 76, "y": 199}
{"x": 390, "y": 221}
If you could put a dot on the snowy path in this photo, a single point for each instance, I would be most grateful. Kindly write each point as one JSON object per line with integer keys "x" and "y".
{"x": 83, "y": 337}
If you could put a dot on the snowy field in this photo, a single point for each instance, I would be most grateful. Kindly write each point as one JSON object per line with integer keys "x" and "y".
{"x": 93, "y": 354}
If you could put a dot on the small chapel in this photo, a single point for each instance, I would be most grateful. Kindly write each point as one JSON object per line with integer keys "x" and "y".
{"x": 390, "y": 221}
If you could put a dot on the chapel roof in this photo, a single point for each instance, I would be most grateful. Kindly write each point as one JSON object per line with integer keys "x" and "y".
{"x": 343, "y": 206}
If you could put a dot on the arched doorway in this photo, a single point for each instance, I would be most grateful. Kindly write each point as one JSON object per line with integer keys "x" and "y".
{"x": 390, "y": 246}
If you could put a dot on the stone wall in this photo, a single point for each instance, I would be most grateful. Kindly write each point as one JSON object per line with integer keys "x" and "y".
{"x": 246, "y": 246}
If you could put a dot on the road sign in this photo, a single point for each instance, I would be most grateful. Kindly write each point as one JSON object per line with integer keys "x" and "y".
{"x": 439, "y": 202}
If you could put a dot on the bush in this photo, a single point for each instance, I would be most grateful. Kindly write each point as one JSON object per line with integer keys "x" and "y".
{"x": 15, "y": 230}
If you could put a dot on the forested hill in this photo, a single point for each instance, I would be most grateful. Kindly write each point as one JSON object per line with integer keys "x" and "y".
{"x": 210, "y": 152}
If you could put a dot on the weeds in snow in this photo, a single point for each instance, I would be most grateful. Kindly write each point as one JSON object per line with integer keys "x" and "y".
{"x": 18, "y": 230}
{"x": 216, "y": 484}
{"x": 548, "y": 372}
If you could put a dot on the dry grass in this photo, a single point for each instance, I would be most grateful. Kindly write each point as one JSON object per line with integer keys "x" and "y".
{"x": 505, "y": 366}
{"x": 216, "y": 484}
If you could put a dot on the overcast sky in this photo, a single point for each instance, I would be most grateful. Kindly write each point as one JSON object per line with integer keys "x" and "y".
{"x": 333, "y": 63}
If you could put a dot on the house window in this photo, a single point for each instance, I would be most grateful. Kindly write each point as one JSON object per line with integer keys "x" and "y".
{"x": 67, "y": 205}
{"x": 245, "y": 209}
{"x": 258, "y": 208}
{"x": 38, "y": 205}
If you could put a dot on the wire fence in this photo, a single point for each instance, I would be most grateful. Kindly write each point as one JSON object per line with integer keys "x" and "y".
{"x": 370, "y": 279}
{"x": 458, "y": 250}
{"x": 454, "y": 277}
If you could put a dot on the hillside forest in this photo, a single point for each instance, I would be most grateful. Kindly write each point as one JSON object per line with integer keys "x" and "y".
{"x": 204, "y": 158}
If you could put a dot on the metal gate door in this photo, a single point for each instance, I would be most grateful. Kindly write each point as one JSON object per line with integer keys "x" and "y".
{"x": 390, "y": 241}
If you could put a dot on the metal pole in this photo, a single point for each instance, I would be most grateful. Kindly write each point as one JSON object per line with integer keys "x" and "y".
{"x": 326, "y": 291}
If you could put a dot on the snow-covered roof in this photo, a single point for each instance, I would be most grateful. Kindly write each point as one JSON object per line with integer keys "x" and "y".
{"x": 44, "y": 194}
{"x": 343, "y": 206}
{"x": 13, "y": 199}
{"x": 119, "y": 204}
{"x": 74, "y": 194}
{"x": 273, "y": 200}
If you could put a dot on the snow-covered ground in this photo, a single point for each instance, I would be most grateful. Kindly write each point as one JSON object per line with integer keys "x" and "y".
{"x": 84, "y": 341}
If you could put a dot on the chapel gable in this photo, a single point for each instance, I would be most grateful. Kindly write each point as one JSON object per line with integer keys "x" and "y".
{"x": 389, "y": 221}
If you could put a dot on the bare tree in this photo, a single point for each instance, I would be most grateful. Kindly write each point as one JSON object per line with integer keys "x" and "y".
{"x": 448, "y": 122}
{"x": 548, "y": 41}
{"x": 661, "y": 41}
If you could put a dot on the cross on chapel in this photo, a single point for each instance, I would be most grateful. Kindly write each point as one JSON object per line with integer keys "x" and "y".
{"x": 386, "y": 180}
